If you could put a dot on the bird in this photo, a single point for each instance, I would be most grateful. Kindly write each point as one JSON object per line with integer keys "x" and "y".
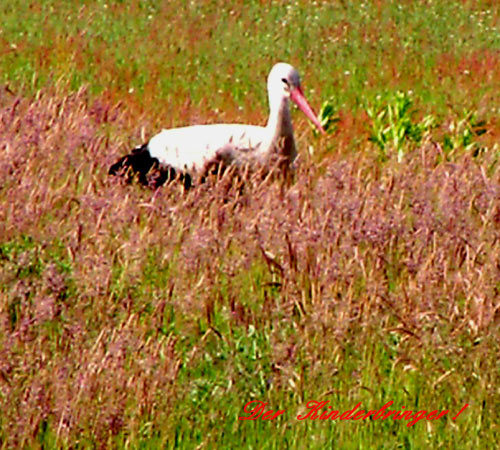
{"x": 193, "y": 150}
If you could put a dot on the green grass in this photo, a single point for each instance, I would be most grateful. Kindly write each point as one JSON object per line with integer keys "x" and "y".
{"x": 133, "y": 318}
{"x": 350, "y": 51}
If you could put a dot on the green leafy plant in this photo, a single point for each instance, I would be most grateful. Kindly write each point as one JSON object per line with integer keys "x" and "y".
{"x": 462, "y": 134}
{"x": 392, "y": 127}
{"x": 327, "y": 117}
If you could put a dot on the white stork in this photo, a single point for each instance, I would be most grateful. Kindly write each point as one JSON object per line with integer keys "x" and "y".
{"x": 192, "y": 150}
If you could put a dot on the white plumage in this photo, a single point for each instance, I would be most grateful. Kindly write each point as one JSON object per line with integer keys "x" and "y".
{"x": 191, "y": 148}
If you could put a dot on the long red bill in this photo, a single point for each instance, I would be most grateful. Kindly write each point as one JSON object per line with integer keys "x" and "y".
{"x": 298, "y": 98}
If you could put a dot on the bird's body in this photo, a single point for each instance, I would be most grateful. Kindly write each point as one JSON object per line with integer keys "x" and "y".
{"x": 194, "y": 149}
{"x": 187, "y": 152}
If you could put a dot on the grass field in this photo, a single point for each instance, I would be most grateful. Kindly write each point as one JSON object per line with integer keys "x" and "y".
{"x": 139, "y": 318}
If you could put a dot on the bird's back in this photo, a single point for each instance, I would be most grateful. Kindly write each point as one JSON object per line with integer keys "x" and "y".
{"x": 191, "y": 148}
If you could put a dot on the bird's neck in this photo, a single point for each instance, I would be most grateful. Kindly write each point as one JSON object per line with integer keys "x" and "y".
{"x": 280, "y": 128}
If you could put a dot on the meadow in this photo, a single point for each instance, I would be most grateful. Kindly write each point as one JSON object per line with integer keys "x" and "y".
{"x": 133, "y": 318}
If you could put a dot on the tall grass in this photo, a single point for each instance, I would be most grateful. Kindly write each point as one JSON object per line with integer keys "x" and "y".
{"x": 132, "y": 317}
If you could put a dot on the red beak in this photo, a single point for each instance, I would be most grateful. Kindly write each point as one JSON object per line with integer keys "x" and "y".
{"x": 298, "y": 98}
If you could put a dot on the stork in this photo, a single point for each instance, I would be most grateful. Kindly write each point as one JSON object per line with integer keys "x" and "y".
{"x": 191, "y": 150}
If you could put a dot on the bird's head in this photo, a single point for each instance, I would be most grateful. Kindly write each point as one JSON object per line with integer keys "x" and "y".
{"x": 284, "y": 82}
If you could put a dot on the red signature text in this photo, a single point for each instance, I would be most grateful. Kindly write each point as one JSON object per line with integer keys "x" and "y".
{"x": 322, "y": 411}
{"x": 257, "y": 411}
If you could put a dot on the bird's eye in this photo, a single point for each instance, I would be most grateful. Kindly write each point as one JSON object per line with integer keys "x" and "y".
{"x": 285, "y": 81}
